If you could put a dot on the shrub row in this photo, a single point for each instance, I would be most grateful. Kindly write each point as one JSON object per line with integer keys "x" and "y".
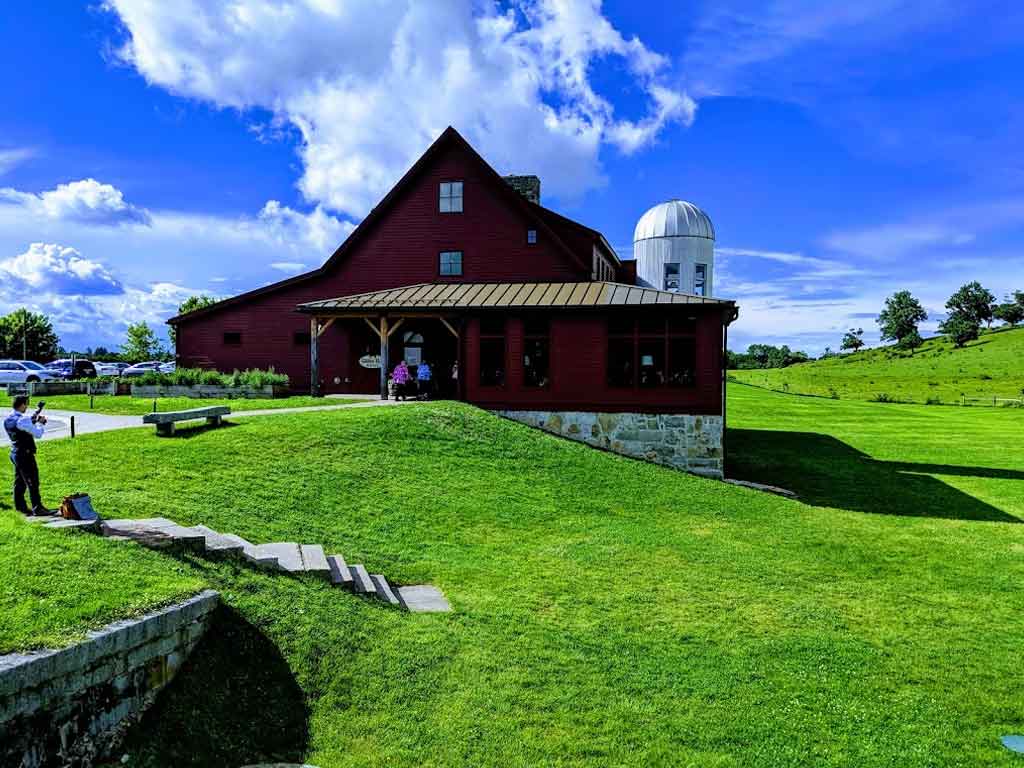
{"x": 190, "y": 377}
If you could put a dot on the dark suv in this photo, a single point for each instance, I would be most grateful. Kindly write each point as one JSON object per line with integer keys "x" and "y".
{"x": 82, "y": 369}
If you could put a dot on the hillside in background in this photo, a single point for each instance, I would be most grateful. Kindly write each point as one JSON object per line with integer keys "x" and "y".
{"x": 935, "y": 372}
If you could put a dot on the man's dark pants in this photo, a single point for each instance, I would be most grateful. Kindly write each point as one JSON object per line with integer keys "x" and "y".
{"x": 26, "y": 477}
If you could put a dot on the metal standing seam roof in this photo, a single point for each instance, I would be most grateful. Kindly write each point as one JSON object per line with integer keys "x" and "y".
{"x": 499, "y": 295}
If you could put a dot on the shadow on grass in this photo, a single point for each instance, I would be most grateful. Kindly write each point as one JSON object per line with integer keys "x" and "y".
{"x": 826, "y": 472}
{"x": 234, "y": 702}
{"x": 196, "y": 429}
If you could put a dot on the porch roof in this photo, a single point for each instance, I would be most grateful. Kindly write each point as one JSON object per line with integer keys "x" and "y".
{"x": 438, "y": 296}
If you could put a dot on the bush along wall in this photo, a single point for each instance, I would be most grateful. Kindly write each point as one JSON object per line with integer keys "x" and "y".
{"x": 197, "y": 382}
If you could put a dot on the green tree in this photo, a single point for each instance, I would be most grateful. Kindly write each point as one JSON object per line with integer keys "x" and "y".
{"x": 142, "y": 343}
{"x": 1010, "y": 312}
{"x": 26, "y": 335}
{"x": 899, "y": 319}
{"x": 960, "y": 328}
{"x": 973, "y": 303}
{"x": 191, "y": 304}
{"x": 853, "y": 339}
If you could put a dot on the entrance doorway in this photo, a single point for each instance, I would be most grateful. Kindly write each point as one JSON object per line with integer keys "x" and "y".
{"x": 428, "y": 340}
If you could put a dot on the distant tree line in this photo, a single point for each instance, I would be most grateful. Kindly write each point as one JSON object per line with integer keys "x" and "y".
{"x": 765, "y": 356}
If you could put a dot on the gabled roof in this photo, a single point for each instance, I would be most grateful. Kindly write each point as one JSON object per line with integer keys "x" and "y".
{"x": 427, "y": 296}
{"x": 542, "y": 217}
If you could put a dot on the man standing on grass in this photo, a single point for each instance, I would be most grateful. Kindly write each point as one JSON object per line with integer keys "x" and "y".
{"x": 23, "y": 430}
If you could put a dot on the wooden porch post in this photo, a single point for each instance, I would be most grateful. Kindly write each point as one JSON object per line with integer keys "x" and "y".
{"x": 314, "y": 357}
{"x": 383, "y": 357}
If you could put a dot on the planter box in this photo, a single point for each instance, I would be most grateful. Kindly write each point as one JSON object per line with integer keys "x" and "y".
{"x": 209, "y": 391}
{"x": 39, "y": 388}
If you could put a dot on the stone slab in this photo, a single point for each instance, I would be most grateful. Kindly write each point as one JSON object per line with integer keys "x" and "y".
{"x": 384, "y": 590}
{"x": 423, "y": 598}
{"x": 361, "y": 580}
{"x": 287, "y": 554}
{"x": 340, "y": 574}
{"x": 250, "y": 552}
{"x": 217, "y": 544}
{"x": 78, "y": 525}
{"x": 314, "y": 561}
{"x": 169, "y": 417}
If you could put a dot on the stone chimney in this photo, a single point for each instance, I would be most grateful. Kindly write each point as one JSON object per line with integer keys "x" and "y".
{"x": 527, "y": 186}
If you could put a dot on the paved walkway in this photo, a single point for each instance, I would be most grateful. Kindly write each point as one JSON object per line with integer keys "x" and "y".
{"x": 59, "y": 422}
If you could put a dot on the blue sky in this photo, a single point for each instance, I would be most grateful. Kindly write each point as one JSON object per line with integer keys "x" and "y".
{"x": 151, "y": 150}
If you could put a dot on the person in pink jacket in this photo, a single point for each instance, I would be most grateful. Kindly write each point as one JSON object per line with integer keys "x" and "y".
{"x": 400, "y": 377}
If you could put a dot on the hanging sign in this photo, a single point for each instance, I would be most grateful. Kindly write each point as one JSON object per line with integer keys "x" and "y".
{"x": 370, "y": 361}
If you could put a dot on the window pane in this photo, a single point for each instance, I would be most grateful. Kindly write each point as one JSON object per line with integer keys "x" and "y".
{"x": 492, "y": 362}
{"x": 536, "y": 325}
{"x": 531, "y": 236}
{"x": 682, "y": 361}
{"x": 232, "y": 338}
{"x": 620, "y": 362}
{"x": 457, "y": 204}
{"x": 492, "y": 325}
{"x": 456, "y": 187}
{"x": 652, "y": 362}
{"x": 302, "y": 338}
{"x": 535, "y": 362}
{"x": 651, "y": 322}
{"x": 621, "y": 323}
{"x": 446, "y": 189}
{"x": 446, "y": 205}
{"x": 699, "y": 279}
{"x": 671, "y": 277}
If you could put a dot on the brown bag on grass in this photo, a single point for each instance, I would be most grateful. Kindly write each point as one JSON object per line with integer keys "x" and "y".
{"x": 77, "y": 506}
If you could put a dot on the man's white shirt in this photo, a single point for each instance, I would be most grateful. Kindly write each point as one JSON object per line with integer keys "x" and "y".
{"x": 25, "y": 424}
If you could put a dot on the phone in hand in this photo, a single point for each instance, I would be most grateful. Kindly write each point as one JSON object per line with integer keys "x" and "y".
{"x": 39, "y": 410}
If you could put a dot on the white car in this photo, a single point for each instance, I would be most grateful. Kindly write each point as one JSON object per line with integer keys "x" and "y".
{"x": 24, "y": 372}
{"x": 110, "y": 369}
{"x": 140, "y": 369}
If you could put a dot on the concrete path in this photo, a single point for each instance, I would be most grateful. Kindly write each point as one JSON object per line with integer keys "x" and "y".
{"x": 59, "y": 422}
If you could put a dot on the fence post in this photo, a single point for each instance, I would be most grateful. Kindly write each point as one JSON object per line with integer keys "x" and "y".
{"x": 72, "y": 426}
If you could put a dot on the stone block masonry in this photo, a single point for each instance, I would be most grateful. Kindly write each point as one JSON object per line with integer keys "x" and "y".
{"x": 71, "y": 706}
{"x": 689, "y": 443}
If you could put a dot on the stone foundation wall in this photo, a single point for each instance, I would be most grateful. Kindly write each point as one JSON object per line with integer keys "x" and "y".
{"x": 690, "y": 443}
{"x": 71, "y": 706}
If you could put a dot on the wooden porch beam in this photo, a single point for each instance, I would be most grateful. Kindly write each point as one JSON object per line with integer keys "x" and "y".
{"x": 395, "y": 326}
{"x": 383, "y": 357}
{"x": 448, "y": 325}
{"x": 373, "y": 327}
{"x": 325, "y": 326}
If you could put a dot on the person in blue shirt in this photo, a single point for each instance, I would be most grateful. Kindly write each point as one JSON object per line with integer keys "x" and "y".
{"x": 23, "y": 429}
{"x": 423, "y": 377}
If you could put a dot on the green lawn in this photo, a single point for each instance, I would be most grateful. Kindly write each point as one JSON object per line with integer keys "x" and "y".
{"x": 936, "y": 372}
{"x": 55, "y": 585}
{"x": 606, "y": 611}
{"x": 125, "y": 404}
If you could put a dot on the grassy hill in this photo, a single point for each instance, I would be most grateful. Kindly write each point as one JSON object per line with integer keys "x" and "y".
{"x": 606, "y": 611}
{"x": 936, "y": 372}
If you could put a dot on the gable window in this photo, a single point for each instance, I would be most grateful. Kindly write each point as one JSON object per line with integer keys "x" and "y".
{"x": 451, "y": 197}
{"x": 671, "y": 277}
{"x": 232, "y": 338}
{"x": 536, "y": 351}
{"x": 492, "y": 351}
{"x": 531, "y": 236}
{"x": 450, "y": 264}
{"x": 700, "y": 277}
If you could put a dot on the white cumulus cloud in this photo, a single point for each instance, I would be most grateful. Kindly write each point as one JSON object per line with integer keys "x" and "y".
{"x": 86, "y": 201}
{"x": 368, "y": 85}
{"x": 60, "y": 270}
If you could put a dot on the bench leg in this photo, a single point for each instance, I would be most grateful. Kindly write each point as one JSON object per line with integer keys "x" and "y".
{"x": 166, "y": 429}
{"x": 213, "y": 421}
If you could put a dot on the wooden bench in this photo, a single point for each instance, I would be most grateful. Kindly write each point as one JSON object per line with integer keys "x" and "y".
{"x": 165, "y": 421}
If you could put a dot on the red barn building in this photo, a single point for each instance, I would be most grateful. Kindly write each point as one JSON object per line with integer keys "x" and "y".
{"x": 516, "y": 309}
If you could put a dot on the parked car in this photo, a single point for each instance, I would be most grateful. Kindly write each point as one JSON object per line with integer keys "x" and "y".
{"x": 110, "y": 369}
{"x": 24, "y": 372}
{"x": 140, "y": 369}
{"x": 79, "y": 369}
{"x": 168, "y": 367}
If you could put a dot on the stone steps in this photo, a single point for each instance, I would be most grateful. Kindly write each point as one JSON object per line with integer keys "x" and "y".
{"x": 286, "y": 556}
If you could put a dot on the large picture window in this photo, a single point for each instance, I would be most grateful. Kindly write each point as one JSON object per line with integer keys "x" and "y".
{"x": 492, "y": 351}
{"x": 650, "y": 350}
{"x": 536, "y": 352}
{"x": 450, "y": 197}
{"x": 450, "y": 264}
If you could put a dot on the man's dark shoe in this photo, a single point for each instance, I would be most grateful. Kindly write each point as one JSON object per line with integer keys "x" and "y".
{"x": 42, "y": 512}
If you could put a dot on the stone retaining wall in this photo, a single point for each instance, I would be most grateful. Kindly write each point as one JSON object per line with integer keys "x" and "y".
{"x": 690, "y": 443}
{"x": 70, "y": 706}
{"x": 208, "y": 390}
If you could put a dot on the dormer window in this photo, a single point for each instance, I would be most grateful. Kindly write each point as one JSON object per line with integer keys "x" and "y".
{"x": 450, "y": 199}
{"x": 531, "y": 236}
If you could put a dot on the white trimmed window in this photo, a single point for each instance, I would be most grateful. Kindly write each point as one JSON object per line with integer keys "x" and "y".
{"x": 450, "y": 264}
{"x": 450, "y": 199}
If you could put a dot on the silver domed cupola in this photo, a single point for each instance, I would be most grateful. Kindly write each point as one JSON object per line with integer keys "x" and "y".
{"x": 674, "y": 248}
